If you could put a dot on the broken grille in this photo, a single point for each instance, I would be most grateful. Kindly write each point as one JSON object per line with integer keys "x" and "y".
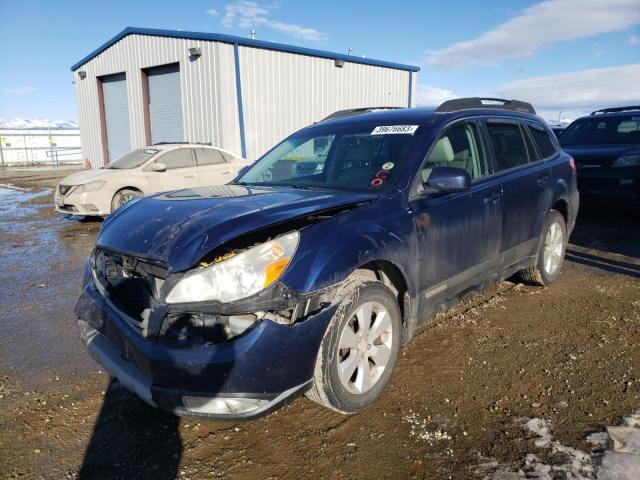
{"x": 132, "y": 285}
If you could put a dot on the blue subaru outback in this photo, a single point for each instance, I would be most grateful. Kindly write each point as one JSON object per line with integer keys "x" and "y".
{"x": 309, "y": 270}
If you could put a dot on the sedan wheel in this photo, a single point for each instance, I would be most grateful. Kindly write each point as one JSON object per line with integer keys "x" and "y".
{"x": 124, "y": 196}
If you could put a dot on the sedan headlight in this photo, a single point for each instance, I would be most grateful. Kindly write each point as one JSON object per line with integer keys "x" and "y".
{"x": 93, "y": 186}
{"x": 237, "y": 277}
{"x": 628, "y": 161}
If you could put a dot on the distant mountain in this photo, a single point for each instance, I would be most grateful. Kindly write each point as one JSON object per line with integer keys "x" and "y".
{"x": 19, "y": 123}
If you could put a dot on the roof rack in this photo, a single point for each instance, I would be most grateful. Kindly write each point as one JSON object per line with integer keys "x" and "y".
{"x": 616, "y": 109}
{"x": 356, "y": 111}
{"x": 481, "y": 102}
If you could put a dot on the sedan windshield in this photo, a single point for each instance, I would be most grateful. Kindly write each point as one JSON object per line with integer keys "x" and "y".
{"x": 133, "y": 159}
{"x": 602, "y": 131}
{"x": 354, "y": 157}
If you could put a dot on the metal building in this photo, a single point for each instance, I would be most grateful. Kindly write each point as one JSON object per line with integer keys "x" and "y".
{"x": 147, "y": 86}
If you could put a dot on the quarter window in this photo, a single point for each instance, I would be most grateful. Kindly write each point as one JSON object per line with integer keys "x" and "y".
{"x": 508, "y": 145}
{"x": 209, "y": 156}
{"x": 544, "y": 142}
{"x": 460, "y": 146}
{"x": 179, "y": 158}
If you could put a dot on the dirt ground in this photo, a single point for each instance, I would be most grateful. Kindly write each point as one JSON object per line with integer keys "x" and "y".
{"x": 568, "y": 354}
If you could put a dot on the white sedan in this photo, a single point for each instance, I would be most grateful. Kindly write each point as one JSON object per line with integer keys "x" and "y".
{"x": 148, "y": 170}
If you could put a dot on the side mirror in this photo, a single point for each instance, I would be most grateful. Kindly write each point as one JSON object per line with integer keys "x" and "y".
{"x": 157, "y": 167}
{"x": 448, "y": 180}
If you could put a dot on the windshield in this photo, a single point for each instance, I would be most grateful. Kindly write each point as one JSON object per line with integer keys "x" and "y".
{"x": 133, "y": 159}
{"x": 602, "y": 131}
{"x": 353, "y": 157}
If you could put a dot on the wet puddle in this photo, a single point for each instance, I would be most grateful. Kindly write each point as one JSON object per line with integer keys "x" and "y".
{"x": 41, "y": 258}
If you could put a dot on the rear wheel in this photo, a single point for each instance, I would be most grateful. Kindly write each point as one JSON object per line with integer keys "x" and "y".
{"x": 551, "y": 253}
{"x": 360, "y": 348}
{"x": 123, "y": 196}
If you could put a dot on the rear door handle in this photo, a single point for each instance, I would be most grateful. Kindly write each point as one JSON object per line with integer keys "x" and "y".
{"x": 189, "y": 176}
{"x": 226, "y": 172}
{"x": 492, "y": 199}
{"x": 543, "y": 179}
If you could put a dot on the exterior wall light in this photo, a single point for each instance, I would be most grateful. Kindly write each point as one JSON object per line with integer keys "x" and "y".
{"x": 195, "y": 52}
{"x": 82, "y": 74}
{"x": 338, "y": 62}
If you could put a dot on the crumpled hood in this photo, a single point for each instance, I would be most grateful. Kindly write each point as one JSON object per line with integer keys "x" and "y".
{"x": 179, "y": 228}
{"x": 86, "y": 176}
{"x": 603, "y": 155}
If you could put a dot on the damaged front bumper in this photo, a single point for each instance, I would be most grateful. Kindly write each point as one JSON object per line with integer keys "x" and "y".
{"x": 244, "y": 377}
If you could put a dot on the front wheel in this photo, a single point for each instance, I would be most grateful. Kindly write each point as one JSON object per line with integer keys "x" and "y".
{"x": 551, "y": 253}
{"x": 360, "y": 348}
{"x": 123, "y": 196}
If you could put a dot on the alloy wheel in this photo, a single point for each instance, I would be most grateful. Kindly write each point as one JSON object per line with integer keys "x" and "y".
{"x": 553, "y": 246}
{"x": 365, "y": 347}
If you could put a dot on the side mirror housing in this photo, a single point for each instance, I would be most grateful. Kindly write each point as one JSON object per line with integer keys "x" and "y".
{"x": 448, "y": 180}
{"x": 157, "y": 167}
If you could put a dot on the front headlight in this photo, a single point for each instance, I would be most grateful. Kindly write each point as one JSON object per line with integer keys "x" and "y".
{"x": 628, "y": 161}
{"x": 93, "y": 186}
{"x": 239, "y": 276}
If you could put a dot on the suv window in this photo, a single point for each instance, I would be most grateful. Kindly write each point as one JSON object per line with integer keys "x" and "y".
{"x": 209, "y": 156}
{"x": 179, "y": 158}
{"x": 598, "y": 130}
{"x": 544, "y": 142}
{"x": 508, "y": 145}
{"x": 459, "y": 146}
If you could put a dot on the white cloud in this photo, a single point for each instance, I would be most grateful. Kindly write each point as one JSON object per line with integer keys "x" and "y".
{"x": 584, "y": 90}
{"x": 21, "y": 90}
{"x": 248, "y": 14}
{"x": 633, "y": 40}
{"x": 427, "y": 96}
{"x": 541, "y": 24}
{"x": 575, "y": 93}
{"x": 213, "y": 12}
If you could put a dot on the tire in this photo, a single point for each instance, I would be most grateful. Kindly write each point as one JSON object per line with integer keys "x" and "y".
{"x": 123, "y": 196}
{"x": 347, "y": 393}
{"x": 553, "y": 246}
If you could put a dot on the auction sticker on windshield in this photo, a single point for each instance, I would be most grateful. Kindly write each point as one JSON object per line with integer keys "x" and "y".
{"x": 395, "y": 130}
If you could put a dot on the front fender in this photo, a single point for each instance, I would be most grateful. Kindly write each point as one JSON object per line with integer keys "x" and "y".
{"x": 330, "y": 251}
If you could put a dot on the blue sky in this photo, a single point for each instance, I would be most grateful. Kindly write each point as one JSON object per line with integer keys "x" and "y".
{"x": 573, "y": 55}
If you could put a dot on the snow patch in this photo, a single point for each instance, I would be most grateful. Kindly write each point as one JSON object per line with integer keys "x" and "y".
{"x": 21, "y": 123}
{"x": 615, "y": 455}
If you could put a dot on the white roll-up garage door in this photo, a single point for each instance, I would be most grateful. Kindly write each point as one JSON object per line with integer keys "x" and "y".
{"x": 165, "y": 104}
{"x": 116, "y": 113}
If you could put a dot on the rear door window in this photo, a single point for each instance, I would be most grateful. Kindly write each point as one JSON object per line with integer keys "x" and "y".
{"x": 209, "y": 156}
{"x": 508, "y": 144}
{"x": 542, "y": 138}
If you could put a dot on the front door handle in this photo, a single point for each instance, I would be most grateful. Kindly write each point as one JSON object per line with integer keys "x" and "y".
{"x": 492, "y": 199}
{"x": 226, "y": 172}
{"x": 543, "y": 179}
{"x": 189, "y": 176}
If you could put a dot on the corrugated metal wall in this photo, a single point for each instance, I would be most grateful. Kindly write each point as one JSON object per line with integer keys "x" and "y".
{"x": 281, "y": 92}
{"x": 208, "y": 90}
